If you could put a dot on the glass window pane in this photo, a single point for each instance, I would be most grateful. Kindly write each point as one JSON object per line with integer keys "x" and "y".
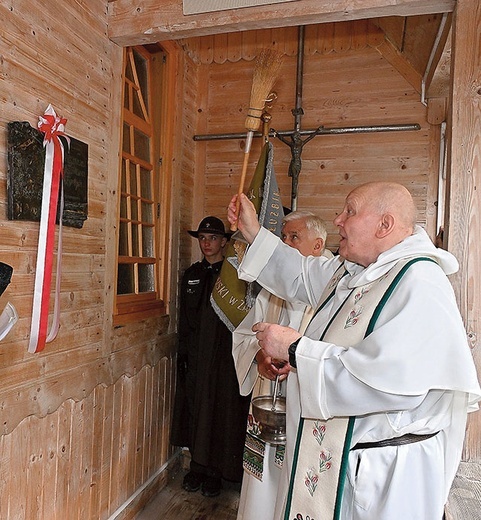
{"x": 135, "y": 241}
{"x": 136, "y": 106}
{"x": 128, "y": 67}
{"x": 134, "y": 215}
{"x": 126, "y": 138}
{"x": 146, "y": 278}
{"x": 124, "y": 239}
{"x": 133, "y": 179}
{"x": 147, "y": 212}
{"x": 146, "y": 183}
{"x": 147, "y": 242}
{"x": 123, "y": 207}
{"x": 123, "y": 184}
{"x": 141, "y": 145}
{"x": 125, "y": 279}
{"x": 141, "y": 67}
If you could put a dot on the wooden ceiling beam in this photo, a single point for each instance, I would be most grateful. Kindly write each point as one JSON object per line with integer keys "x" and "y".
{"x": 398, "y": 61}
{"x": 139, "y": 22}
{"x": 437, "y": 76}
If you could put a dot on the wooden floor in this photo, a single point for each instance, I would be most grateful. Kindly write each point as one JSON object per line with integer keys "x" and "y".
{"x": 174, "y": 503}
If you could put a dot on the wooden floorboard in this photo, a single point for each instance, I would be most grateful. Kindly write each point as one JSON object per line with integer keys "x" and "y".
{"x": 174, "y": 503}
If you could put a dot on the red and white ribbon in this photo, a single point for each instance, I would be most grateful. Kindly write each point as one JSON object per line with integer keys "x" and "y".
{"x": 53, "y": 127}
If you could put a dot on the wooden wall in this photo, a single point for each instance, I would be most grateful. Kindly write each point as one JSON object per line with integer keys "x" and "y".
{"x": 191, "y": 207}
{"x": 85, "y": 459}
{"x": 346, "y": 82}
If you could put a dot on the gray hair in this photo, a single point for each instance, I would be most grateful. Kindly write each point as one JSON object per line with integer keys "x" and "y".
{"x": 313, "y": 222}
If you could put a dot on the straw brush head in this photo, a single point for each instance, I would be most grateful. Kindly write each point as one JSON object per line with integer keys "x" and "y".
{"x": 266, "y": 70}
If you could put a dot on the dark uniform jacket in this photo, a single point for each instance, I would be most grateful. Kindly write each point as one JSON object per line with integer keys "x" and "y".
{"x": 209, "y": 413}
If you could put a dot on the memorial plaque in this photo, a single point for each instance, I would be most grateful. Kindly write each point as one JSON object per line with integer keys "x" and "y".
{"x": 26, "y": 161}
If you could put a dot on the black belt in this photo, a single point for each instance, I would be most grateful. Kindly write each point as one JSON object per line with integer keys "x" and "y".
{"x": 409, "y": 438}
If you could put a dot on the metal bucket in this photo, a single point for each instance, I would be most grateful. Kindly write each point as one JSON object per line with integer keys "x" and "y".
{"x": 271, "y": 417}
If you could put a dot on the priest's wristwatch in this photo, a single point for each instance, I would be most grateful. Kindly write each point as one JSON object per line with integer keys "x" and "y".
{"x": 292, "y": 352}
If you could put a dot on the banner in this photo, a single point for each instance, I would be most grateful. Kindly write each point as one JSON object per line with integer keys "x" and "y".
{"x": 233, "y": 298}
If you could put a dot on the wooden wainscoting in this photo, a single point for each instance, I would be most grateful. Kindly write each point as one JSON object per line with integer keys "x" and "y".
{"x": 88, "y": 458}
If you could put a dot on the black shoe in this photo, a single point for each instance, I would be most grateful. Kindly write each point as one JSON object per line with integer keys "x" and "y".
{"x": 192, "y": 481}
{"x": 211, "y": 486}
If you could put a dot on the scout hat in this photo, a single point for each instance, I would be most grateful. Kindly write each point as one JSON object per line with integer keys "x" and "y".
{"x": 211, "y": 225}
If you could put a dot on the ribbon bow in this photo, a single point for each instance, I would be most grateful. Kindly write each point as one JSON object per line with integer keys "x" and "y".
{"x": 53, "y": 127}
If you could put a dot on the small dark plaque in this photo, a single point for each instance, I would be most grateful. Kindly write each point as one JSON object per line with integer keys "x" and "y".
{"x": 26, "y": 161}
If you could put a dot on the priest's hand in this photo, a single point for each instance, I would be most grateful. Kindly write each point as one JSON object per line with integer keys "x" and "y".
{"x": 271, "y": 368}
{"x": 245, "y": 219}
{"x": 275, "y": 339}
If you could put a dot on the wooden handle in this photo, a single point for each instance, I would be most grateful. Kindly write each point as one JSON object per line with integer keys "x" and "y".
{"x": 247, "y": 151}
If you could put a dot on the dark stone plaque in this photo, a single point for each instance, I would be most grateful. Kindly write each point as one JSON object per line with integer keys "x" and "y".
{"x": 26, "y": 161}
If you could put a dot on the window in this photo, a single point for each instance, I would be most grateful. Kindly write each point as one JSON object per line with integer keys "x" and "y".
{"x": 144, "y": 184}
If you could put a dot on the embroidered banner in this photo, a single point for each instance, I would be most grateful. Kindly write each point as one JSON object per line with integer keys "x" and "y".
{"x": 233, "y": 298}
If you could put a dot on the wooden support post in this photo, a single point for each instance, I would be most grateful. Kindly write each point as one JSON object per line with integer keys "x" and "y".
{"x": 463, "y": 224}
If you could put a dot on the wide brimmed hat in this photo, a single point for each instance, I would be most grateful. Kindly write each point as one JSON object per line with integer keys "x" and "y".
{"x": 211, "y": 225}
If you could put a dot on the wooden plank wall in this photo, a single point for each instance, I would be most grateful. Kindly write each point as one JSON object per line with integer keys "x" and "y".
{"x": 83, "y": 460}
{"x": 462, "y": 225}
{"x": 192, "y": 166}
{"x": 84, "y": 423}
{"x": 347, "y": 82}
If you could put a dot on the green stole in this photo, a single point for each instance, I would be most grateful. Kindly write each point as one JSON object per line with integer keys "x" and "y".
{"x": 322, "y": 446}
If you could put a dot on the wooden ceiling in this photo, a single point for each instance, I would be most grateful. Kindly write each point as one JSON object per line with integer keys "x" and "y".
{"x": 424, "y": 42}
{"x": 418, "y": 31}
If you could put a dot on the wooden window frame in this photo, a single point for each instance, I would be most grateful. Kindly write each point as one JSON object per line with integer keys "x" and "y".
{"x": 140, "y": 305}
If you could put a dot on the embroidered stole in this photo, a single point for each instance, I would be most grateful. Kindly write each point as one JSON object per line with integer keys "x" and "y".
{"x": 254, "y": 449}
{"x": 322, "y": 446}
